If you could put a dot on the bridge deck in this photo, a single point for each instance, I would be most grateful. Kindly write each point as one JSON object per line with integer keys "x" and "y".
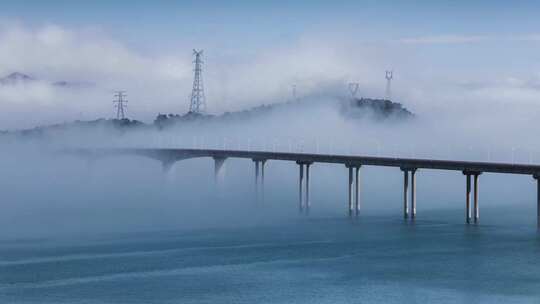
{"x": 171, "y": 155}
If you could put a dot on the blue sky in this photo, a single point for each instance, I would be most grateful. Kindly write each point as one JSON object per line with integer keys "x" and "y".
{"x": 442, "y": 52}
{"x": 259, "y": 23}
{"x": 246, "y": 27}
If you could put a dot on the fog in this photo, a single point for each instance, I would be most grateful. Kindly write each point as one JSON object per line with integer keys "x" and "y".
{"x": 50, "y": 195}
{"x": 47, "y": 195}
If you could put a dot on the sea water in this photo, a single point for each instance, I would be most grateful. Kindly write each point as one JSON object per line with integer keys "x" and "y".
{"x": 372, "y": 259}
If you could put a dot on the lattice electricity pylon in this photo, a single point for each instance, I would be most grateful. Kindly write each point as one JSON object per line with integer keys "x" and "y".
{"x": 389, "y": 75}
{"x": 353, "y": 89}
{"x": 198, "y": 100}
{"x": 120, "y": 104}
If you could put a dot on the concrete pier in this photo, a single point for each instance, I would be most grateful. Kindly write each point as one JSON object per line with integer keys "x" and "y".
{"x": 476, "y": 207}
{"x": 357, "y": 191}
{"x": 256, "y": 180}
{"x": 350, "y": 191}
{"x": 218, "y": 169}
{"x": 468, "y": 199}
{"x": 353, "y": 194}
{"x": 406, "y": 210}
{"x": 474, "y": 212}
{"x": 259, "y": 179}
{"x": 166, "y": 166}
{"x": 300, "y": 190}
{"x": 413, "y": 194}
{"x": 405, "y": 193}
{"x": 304, "y": 203}
{"x": 263, "y": 163}
{"x": 537, "y": 178}
{"x": 307, "y": 202}
{"x": 538, "y": 200}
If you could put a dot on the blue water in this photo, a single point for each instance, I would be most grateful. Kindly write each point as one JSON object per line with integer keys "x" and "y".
{"x": 325, "y": 260}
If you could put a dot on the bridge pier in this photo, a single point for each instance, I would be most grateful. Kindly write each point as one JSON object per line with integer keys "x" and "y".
{"x": 218, "y": 169}
{"x": 304, "y": 203}
{"x": 357, "y": 191}
{"x": 263, "y": 163}
{"x": 259, "y": 179}
{"x": 537, "y": 178}
{"x": 476, "y": 208}
{"x": 308, "y": 202}
{"x": 406, "y": 210}
{"x": 166, "y": 165}
{"x": 413, "y": 194}
{"x": 300, "y": 190}
{"x": 354, "y": 189}
{"x": 256, "y": 180}
{"x": 468, "y": 199}
{"x": 405, "y": 193}
{"x": 350, "y": 192}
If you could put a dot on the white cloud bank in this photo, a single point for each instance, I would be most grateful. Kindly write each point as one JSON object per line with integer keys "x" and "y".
{"x": 461, "y": 39}
{"x": 162, "y": 83}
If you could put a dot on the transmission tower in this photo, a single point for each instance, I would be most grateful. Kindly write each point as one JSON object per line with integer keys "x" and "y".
{"x": 353, "y": 89}
{"x": 389, "y": 75}
{"x": 198, "y": 101}
{"x": 120, "y": 104}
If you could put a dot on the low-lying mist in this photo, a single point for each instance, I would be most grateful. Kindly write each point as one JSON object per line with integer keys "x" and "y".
{"x": 45, "y": 194}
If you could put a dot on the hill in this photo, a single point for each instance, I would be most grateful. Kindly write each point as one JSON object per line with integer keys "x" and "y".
{"x": 378, "y": 109}
{"x": 358, "y": 109}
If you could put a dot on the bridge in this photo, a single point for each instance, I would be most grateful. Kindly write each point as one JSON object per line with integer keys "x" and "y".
{"x": 470, "y": 169}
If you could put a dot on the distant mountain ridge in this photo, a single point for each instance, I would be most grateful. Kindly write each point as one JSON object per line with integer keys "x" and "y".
{"x": 378, "y": 109}
{"x": 73, "y": 84}
{"x": 356, "y": 109}
{"x": 18, "y": 78}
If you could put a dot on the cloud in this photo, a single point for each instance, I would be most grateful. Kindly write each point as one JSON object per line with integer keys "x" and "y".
{"x": 161, "y": 83}
{"x": 52, "y": 53}
{"x": 445, "y": 39}
{"x": 156, "y": 83}
{"x": 55, "y": 52}
{"x": 528, "y": 38}
{"x": 466, "y": 39}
